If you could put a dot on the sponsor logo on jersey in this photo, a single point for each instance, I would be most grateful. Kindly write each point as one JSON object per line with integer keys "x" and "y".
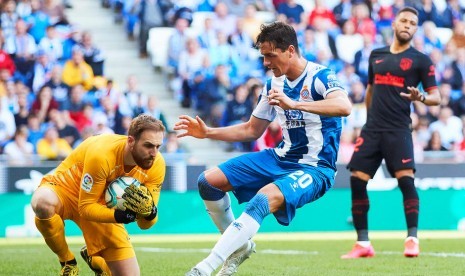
{"x": 294, "y": 119}
{"x": 389, "y": 79}
{"x": 378, "y": 61}
{"x": 294, "y": 115}
{"x": 87, "y": 182}
{"x": 305, "y": 93}
{"x": 294, "y": 124}
{"x": 405, "y": 64}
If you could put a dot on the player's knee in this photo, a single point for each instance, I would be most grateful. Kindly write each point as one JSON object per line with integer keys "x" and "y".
{"x": 207, "y": 191}
{"x": 407, "y": 187}
{"x": 360, "y": 175}
{"x": 44, "y": 203}
{"x": 258, "y": 207}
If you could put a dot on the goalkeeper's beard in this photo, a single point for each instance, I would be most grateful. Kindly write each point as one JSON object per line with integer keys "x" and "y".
{"x": 144, "y": 163}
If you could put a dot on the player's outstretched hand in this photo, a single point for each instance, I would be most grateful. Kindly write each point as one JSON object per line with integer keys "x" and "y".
{"x": 280, "y": 99}
{"x": 414, "y": 94}
{"x": 138, "y": 200}
{"x": 193, "y": 127}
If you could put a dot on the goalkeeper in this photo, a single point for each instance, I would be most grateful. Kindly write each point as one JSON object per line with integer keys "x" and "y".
{"x": 75, "y": 191}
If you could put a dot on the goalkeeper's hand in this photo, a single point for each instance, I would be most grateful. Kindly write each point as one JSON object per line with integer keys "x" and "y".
{"x": 139, "y": 200}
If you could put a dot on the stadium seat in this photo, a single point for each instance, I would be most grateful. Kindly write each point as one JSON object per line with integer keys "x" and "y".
{"x": 157, "y": 46}
{"x": 198, "y": 19}
{"x": 444, "y": 35}
{"x": 266, "y": 16}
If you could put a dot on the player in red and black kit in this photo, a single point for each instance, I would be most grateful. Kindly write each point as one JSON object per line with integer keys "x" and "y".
{"x": 395, "y": 72}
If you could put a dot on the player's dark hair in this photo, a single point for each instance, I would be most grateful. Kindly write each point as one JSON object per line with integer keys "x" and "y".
{"x": 142, "y": 123}
{"x": 407, "y": 9}
{"x": 279, "y": 35}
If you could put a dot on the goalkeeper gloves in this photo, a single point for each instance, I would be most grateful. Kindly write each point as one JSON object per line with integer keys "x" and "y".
{"x": 126, "y": 216}
{"x": 139, "y": 200}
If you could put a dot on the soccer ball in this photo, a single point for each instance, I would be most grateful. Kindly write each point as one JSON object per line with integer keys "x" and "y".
{"x": 115, "y": 190}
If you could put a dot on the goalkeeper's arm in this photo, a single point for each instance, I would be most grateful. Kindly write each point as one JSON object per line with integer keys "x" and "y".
{"x": 140, "y": 201}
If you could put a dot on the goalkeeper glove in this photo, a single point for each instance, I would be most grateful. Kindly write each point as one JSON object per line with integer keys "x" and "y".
{"x": 126, "y": 216}
{"x": 139, "y": 200}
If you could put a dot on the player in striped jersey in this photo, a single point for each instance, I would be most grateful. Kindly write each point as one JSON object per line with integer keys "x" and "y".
{"x": 308, "y": 102}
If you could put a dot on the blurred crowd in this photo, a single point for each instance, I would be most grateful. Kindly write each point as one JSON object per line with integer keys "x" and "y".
{"x": 216, "y": 70}
{"x": 54, "y": 91}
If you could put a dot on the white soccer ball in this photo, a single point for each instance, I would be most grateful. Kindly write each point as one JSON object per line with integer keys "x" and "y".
{"x": 115, "y": 190}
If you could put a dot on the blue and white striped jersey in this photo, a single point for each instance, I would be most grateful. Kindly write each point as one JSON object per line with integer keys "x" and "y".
{"x": 307, "y": 138}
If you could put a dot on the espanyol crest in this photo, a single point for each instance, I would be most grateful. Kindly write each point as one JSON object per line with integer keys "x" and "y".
{"x": 305, "y": 93}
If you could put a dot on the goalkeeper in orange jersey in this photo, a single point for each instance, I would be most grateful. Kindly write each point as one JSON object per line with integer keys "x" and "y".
{"x": 75, "y": 191}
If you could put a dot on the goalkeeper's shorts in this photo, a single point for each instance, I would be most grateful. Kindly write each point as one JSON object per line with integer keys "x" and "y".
{"x": 109, "y": 240}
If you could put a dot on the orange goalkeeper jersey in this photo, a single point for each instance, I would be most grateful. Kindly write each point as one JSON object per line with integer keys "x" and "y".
{"x": 87, "y": 171}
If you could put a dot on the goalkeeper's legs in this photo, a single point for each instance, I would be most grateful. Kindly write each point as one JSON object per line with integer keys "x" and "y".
{"x": 45, "y": 204}
{"x": 217, "y": 203}
{"x": 96, "y": 263}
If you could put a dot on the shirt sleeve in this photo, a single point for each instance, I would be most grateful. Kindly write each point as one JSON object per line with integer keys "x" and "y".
{"x": 370, "y": 69}
{"x": 428, "y": 74}
{"x": 264, "y": 110}
{"x": 326, "y": 82}
{"x": 93, "y": 184}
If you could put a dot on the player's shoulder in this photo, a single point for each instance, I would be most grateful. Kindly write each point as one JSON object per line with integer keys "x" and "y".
{"x": 104, "y": 140}
{"x": 103, "y": 145}
{"x": 417, "y": 54}
{"x": 380, "y": 51}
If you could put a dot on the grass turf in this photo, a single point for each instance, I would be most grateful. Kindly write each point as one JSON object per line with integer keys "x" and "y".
{"x": 274, "y": 257}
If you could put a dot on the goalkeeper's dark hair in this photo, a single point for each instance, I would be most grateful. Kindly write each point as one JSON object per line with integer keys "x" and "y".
{"x": 279, "y": 34}
{"x": 142, "y": 123}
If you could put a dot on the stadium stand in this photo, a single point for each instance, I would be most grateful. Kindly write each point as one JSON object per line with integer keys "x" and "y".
{"x": 112, "y": 52}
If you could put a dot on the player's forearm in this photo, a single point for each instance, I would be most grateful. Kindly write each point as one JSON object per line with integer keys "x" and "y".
{"x": 146, "y": 224}
{"x": 235, "y": 133}
{"x": 431, "y": 99}
{"x": 330, "y": 107}
{"x": 97, "y": 213}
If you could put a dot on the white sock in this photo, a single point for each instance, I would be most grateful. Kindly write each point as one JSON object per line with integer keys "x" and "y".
{"x": 220, "y": 212}
{"x": 235, "y": 236}
{"x": 364, "y": 243}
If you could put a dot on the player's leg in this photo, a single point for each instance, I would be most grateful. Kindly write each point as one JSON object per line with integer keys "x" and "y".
{"x": 47, "y": 207}
{"x": 96, "y": 263}
{"x": 281, "y": 198}
{"x": 411, "y": 200}
{"x": 121, "y": 261}
{"x": 365, "y": 161}
{"x": 213, "y": 186}
{"x": 360, "y": 208}
{"x": 235, "y": 242}
{"x": 246, "y": 177}
{"x": 401, "y": 161}
{"x": 103, "y": 253}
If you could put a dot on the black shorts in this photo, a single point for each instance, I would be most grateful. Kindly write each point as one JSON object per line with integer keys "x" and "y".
{"x": 395, "y": 147}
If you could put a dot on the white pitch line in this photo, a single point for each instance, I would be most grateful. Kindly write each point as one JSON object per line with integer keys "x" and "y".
{"x": 433, "y": 254}
{"x": 291, "y": 252}
{"x": 204, "y": 250}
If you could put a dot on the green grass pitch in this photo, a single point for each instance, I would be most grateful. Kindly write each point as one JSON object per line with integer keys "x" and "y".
{"x": 279, "y": 254}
